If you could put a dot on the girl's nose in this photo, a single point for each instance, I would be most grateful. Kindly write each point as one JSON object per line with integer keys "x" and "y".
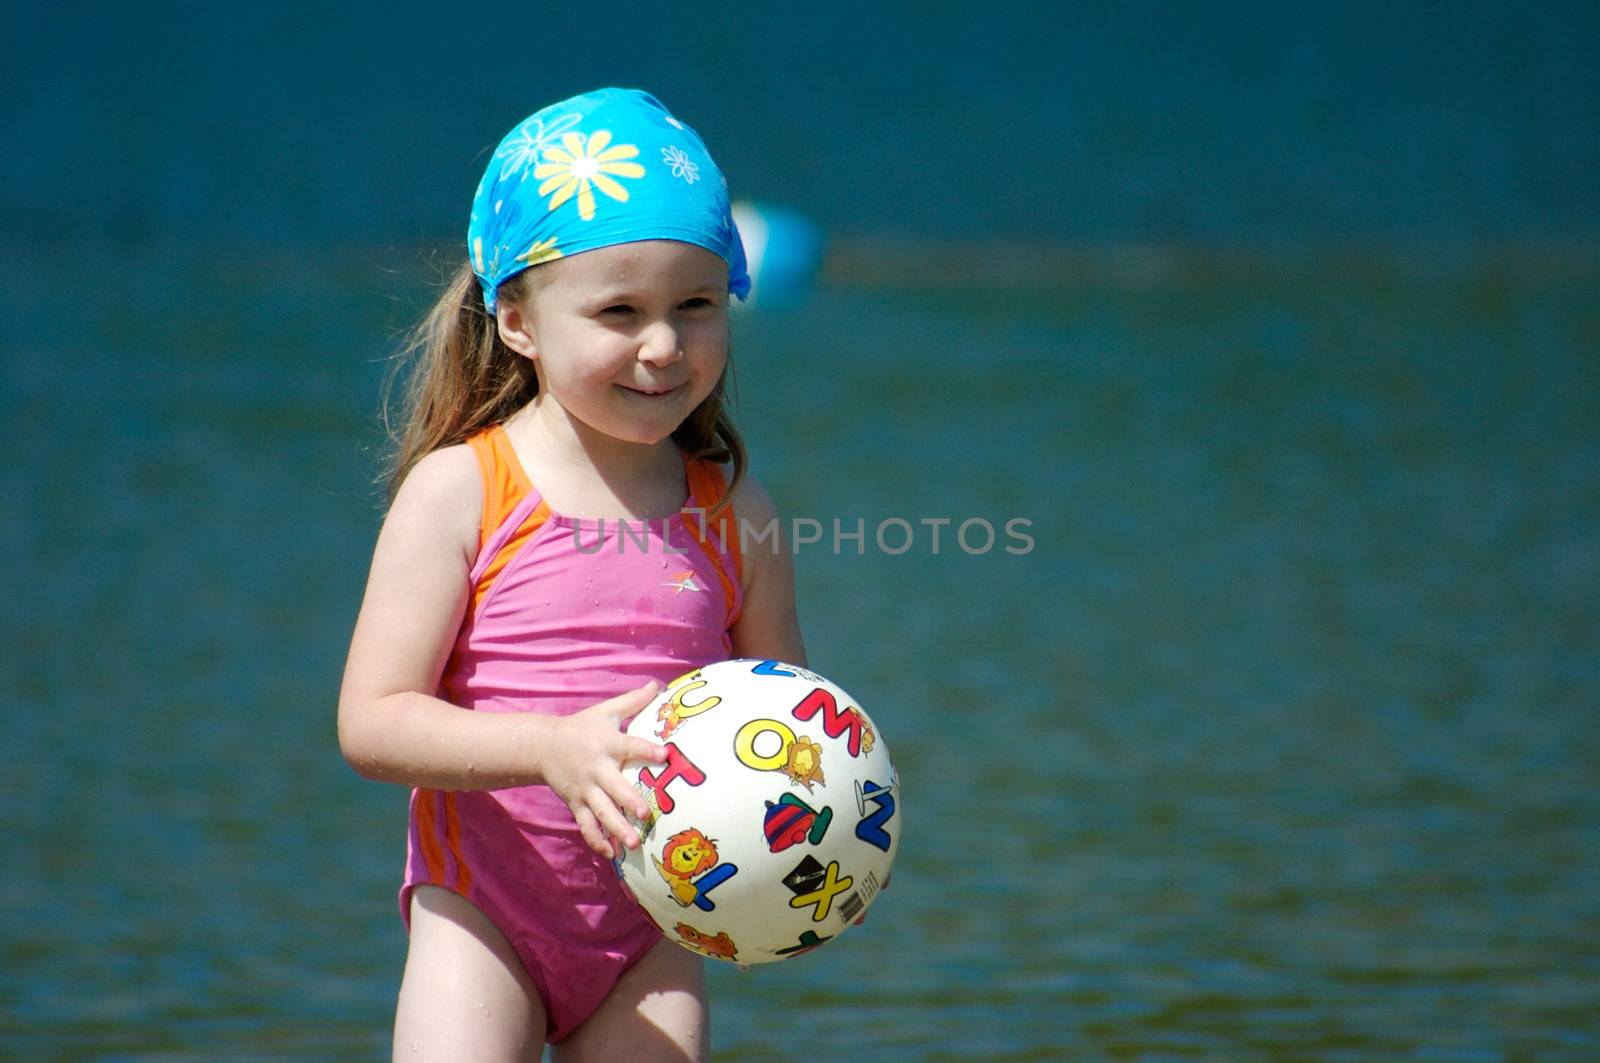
{"x": 659, "y": 344}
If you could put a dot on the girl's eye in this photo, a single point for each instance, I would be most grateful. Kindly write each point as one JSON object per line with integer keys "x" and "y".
{"x": 618, "y": 309}
{"x": 696, "y": 304}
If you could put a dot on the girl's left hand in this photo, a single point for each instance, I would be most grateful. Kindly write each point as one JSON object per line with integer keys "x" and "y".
{"x": 582, "y": 762}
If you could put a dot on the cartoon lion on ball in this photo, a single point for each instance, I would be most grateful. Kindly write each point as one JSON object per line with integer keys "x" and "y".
{"x": 688, "y": 853}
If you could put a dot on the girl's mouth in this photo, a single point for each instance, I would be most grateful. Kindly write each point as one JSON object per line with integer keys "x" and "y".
{"x": 650, "y": 393}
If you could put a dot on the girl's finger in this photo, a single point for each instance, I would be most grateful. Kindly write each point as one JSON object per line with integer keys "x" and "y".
{"x": 642, "y": 749}
{"x": 630, "y": 703}
{"x": 590, "y": 829}
{"x": 627, "y": 797}
{"x": 612, "y": 821}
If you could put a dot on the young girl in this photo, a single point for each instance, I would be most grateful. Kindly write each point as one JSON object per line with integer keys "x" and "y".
{"x": 544, "y": 569}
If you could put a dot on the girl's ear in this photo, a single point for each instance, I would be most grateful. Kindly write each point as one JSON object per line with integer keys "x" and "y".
{"x": 514, "y": 329}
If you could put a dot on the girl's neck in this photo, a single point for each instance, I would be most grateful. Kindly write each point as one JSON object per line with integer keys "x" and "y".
{"x": 585, "y": 473}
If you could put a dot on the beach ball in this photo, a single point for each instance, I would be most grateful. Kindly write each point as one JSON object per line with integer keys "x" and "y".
{"x": 773, "y": 822}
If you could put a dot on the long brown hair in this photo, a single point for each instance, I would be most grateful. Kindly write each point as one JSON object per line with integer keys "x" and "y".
{"x": 455, "y": 376}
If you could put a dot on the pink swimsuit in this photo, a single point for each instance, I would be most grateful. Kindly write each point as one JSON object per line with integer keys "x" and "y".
{"x": 561, "y": 617}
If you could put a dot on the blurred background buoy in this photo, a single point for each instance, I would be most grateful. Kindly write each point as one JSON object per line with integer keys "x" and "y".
{"x": 783, "y": 249}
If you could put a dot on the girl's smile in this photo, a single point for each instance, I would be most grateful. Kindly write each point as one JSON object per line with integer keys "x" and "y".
{"x": 651, "y": 391}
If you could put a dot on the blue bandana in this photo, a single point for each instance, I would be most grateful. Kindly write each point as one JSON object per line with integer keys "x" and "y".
{"x": 607, "y": 167}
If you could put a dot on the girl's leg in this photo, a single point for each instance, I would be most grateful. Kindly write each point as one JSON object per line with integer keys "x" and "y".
{"x": 465, "y": 995}
{"x": 656, "y": 1013}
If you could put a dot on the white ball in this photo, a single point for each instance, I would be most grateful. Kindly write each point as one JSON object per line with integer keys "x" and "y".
{"x": 775, "y": 820}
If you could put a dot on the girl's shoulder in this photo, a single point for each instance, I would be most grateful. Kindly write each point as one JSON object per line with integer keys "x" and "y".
{"x": 754, "y": 521}
{"x": 449, "y": 473}
{"x": 747, "y": 495}
{"x": 442, "y": 495}
{"x": 749, "y": 499}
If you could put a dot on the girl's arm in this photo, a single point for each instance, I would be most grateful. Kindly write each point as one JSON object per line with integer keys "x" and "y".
{"x": 768, "y": 626}
{"x": 393, "y": 728}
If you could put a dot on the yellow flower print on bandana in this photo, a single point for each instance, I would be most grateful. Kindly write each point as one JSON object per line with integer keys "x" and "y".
{"x": 541, "y": 251}
{"x": 581, "y": 165}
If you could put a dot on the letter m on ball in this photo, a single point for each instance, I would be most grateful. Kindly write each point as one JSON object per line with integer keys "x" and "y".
{"x": 834, "y": 722}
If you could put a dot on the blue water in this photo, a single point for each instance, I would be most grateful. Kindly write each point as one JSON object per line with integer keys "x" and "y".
{"x": 368, "y": 122}
{"x": 1278, "y": 327}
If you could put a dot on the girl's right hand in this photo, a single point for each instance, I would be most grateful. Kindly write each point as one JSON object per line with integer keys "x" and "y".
{"x": 582, "y": 763}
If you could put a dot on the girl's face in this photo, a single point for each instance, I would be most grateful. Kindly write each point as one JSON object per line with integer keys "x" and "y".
{"x": 627, "y": 339}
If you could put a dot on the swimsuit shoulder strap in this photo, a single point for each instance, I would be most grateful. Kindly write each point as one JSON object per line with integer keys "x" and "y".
{"x": 718, "y": 536}
{"x": 505, "y": 484}
{"x": 512, "y": 510}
